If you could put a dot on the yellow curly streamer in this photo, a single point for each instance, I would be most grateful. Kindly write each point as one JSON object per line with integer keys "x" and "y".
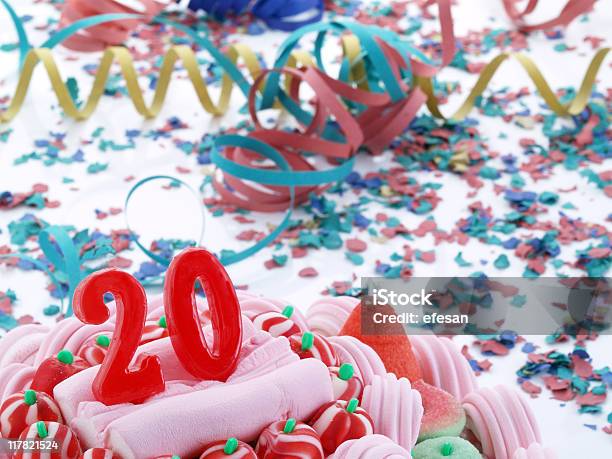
{"x": 185, "y": 54}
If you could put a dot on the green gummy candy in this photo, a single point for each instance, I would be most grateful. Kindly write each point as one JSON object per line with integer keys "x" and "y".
{"x": 445, "y": 447}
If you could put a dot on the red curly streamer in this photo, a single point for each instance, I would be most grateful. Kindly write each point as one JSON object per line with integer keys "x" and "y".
{"x": 374, "y": 128}
{"x": 108, "y": 34}
{"x": 571, "y": 10}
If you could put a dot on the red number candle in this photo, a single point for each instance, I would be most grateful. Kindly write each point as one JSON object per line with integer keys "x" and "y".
{"x": 115, "y": 382}
{"x": 183, "y": 321}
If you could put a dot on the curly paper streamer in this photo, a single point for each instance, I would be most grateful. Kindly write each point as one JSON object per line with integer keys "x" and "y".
{"x": 383, "y": 115}
{"x": 227, "y": 257}
{"x": 135, "y": 238}
{"x": 571, "y": 10}
{"x": 22, "y": 36}
{"x": 370, "y": 114}
{"x": 61, "y": 252}
{"x": 575, "y": 107}
{"x": 219, "y": 8}
{"x": 352, "y": 46}
{"x": 101, "y": 36}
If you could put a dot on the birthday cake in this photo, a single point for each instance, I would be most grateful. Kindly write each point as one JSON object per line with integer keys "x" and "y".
{"x": 296, "y": 387}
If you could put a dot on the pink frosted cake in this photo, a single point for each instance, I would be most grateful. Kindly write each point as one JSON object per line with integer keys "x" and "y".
{"x": 298, "y": 390}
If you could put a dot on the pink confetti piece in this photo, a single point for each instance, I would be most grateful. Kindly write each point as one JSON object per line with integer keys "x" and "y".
{"x": 590, "y": 399}
{"x": 532, "y": 389}
{"x": 494, "y": 346}
{"x": 308, "y": 272}
{"x": 581, "y": 367}
{"x": 356, "y": 245}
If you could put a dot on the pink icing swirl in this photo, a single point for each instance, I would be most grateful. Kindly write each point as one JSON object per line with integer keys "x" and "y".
{"x": 24, "y": 350}
{"x": 535, "y": 451}
{"x": 370, "y": 447}
{"x": 501, "y": 420}
{"x": 327, "y": 316}
{"x": 364, "y": 359}
{"x": 395, "y": 408}
{"x": 443, "y": 366}
{"x": 9, "y": 342}
{"x": 14, "y": 378}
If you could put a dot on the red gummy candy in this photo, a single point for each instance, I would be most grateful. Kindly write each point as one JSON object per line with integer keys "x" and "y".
{"x": 393, "y": 347}
{"x": 54, "y": 370}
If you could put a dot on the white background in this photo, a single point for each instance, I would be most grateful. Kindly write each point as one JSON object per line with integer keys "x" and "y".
{"x": 155, "y": 212}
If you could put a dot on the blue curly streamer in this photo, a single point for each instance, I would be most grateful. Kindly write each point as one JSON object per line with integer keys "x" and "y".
{"x": 276, "y": 14}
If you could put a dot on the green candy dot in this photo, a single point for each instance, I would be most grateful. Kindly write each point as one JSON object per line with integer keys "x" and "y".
{"x": 447, "y": 449}
{"x": 174, "y": 456}
{"x": 288, "y": 311}
{"x": 162, "y": 322}
{"x": 65, "y": 357}
{"x": 307, "y": 341}
{"x": 29, "y": 397}
{"x": 346, "y": 371}
{"x": 289, "y": 425}
{"x": 41, "y": 428}
{"x": 231, "y": 446}
{"x": 103, "y": 341}
{"x": 352, "y": 405}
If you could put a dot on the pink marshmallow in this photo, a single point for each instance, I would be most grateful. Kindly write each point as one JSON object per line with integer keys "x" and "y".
{"x": 93, "y": 417}
{"x": 76, "y": 389}
{"x": 261, "y": 354}
{"x": 186, "y": 423}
